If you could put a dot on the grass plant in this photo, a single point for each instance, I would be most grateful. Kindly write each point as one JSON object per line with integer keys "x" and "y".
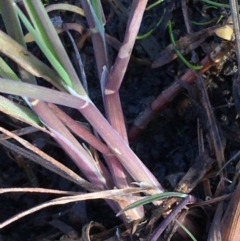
{"x": 123, "y": 164}
{"x": 112, "y": 175}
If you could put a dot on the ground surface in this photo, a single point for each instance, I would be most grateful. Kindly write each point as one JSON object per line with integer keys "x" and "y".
{"x": 168, "y": 146}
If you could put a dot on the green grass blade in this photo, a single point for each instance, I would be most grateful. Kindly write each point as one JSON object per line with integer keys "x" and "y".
{"x": 213, "y": 3}
{"x": 6, "y": 71}
{"x": 38, "y": 26}
{"x": 15, "y": 110}
{"x": 179, "y": 54}
{"x": 29, "y": 62}
{"x": 11, "y": 20}
{"x": 20, "y": 112}
{"x": 95, "y": 11}
{"x": 151, "y": 30}
{"x": 186, "y": 230}
{"x": 154, "y": 4}
{"x": 96, "y": 5}
{"x": 96, "y": 26}
{"x": 153, "y": 198}
{"x": 38, "y": 39}
{"x": 45, "y": 27}
{"x": 46, "y": 30}
{"x": 14, "y": 29}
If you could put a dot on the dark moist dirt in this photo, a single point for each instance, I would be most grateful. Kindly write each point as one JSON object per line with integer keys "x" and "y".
{"x": 168, "y": 146}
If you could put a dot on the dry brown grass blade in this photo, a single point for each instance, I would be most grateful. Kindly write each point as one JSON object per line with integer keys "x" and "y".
{"x": 36, "y": 190}
{"x": 214, "y": 132}
{"x": 211, "y": 201}
{"x": 187, "y": 184}
{"x": 45, "y": 160}
{"x": 215, "y": 229}
{"x": 195, "y": 174}
{"x": 109, "y": 194}
{"x": 230, "y": 225}
{"x": 87, "y": 228}
{"x": 191, "y": 178}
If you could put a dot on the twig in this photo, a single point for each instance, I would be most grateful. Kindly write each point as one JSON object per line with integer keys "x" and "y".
{"x": 186, "y": 16}
{"x": 171, "y": 92}
{"x": 20, "y": 132}
{"x": 213, "y": 128}
{"x": 236, "y": 80}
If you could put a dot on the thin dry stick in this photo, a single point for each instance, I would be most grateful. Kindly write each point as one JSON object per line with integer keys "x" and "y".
{"x": 186, "y": 16}
{"x": 20, "y": 132}
{"x": 201, "y": 148}
{"x": 236, "y": 80}
{"x": 236, "y": 24}
{"x": 213, "y": 129}
{"x": 188, "y": 25}
{"x": 171, "y": 92}
{"x": 211, "y": 201}
{"x": 78, "y": 56}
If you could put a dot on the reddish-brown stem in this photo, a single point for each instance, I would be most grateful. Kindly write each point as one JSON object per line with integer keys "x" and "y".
{"x": 171, "y": 92}
{"x": 99, "y": 44}
{"x": 110, "y": 86}
{"x": 79, "y": 130}
{"x": 111, "y": 89}
{"x": 82, "y": 132}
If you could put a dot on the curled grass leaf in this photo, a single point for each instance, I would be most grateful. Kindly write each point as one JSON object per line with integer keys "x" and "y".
{"x": 65, "y": 7}
{"x": 188, "y": 64}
